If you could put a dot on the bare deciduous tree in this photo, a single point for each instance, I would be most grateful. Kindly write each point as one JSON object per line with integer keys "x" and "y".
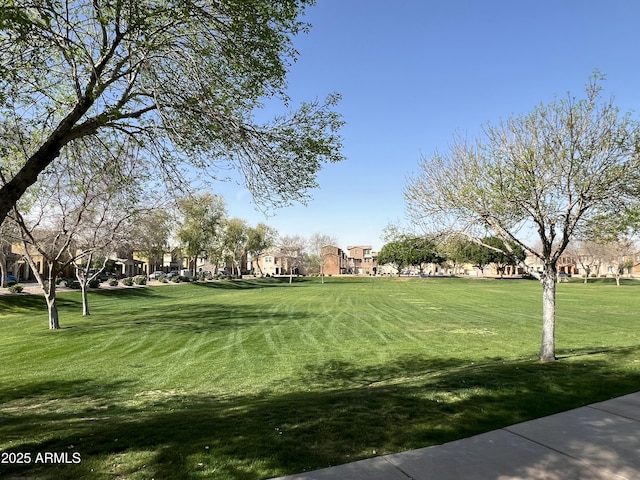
{"x": 292, "y": 252}
{"x": 75, "y": 210}
{"x": 318, "y": 255}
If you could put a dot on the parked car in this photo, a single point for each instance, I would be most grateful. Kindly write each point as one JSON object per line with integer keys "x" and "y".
{"x": 173, "y": 273}
{"x": 11, "y": 278}
{"x": 156, "y": 275}
{"x": 100, "y": 274}
{"x": 105, "y": 276}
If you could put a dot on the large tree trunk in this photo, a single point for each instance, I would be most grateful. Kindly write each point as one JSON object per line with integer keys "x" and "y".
{"x": 548, "y": 348}
{"x": 50, "y": 296}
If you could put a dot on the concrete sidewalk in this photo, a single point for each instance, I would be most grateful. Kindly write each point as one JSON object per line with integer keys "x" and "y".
{"x": 596, "y": 442}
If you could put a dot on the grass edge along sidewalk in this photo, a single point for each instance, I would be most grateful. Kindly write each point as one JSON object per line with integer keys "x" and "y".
{"x": 262, "y": 379}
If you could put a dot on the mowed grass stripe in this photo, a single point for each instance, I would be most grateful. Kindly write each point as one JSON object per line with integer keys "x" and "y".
{"x": 258, "y": 379}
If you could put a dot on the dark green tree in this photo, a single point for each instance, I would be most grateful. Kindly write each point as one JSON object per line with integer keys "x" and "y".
{"x": 394, "y": 253}
{"x": 477, "y": 255}
{"x": 503, "y": 257}
{"x": 421, "y": 251}
{"x": 492, "y": 250}
{"x": 409, "y": 250}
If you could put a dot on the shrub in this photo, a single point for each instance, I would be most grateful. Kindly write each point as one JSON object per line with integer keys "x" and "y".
{"x": 163, "y": 280}
{"x": 95, "y": 283}
{"x": 11, "y": 283}
{"x": 113, "y": 282}
{"x": 127, "y": 281}
{"x": 15, "y": 288}
{"x": 140, "y": 280}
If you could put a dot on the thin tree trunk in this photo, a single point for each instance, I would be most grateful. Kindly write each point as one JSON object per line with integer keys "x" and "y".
{"x": 85, "y": 298}
{"x": 50, "y": 296}
{"x": 548, "y": 348}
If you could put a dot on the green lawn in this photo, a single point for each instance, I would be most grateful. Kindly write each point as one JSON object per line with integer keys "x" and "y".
{"x": 251, "y": 380}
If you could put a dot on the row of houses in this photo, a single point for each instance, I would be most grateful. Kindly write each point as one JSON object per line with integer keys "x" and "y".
{"x": 127, "y": 262}
{"x": 361, "y": 260}
{"x": 355, "y": 260}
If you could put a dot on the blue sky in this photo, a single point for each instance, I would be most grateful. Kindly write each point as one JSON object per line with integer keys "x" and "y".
{"x": 414, "y": 73}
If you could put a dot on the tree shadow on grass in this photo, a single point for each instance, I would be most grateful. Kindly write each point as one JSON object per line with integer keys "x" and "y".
{"x": 338, "y": 412}
{"x": 246, "y": 284}
{"x": 198, "y": 318}
{"x": 128, "y": 292}
{"x": 37, "y": 301}
{"x": 22, "y": 302}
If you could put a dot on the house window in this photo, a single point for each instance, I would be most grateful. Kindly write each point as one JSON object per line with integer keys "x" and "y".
{"x": 268, "y": 259}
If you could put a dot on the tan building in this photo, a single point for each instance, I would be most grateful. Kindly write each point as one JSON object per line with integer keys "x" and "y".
{"x": 583, "y": 263}
{"x": 280, "y": 261}
{"x": 21, "y": 269}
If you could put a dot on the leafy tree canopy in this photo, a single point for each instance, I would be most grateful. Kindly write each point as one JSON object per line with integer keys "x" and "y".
{"x": 181, "y": 77}
{"x": 409, "y": 251}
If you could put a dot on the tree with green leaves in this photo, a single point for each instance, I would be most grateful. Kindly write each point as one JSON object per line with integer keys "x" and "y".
{"x": 394, "y": 253}
{"x": 202, "y": 225}
{"x": 554, "y": 172}
{"x": 452, "y": 247}
{"x": 150, "y": 233}
{"x": 492, "y": 250}
{"x": 183, "y": 78}
{"x": 260, "y": 239}
{"x": 478, "y": 255}
{"x": 235, "y": 237}
{"x": 421, "y": 251}
{"x": 409, "y": 250}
